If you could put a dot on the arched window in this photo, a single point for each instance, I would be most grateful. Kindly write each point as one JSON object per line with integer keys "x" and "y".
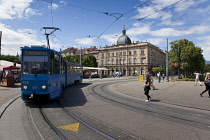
{"x": 129, "y": 60}
{"x": 108, "y": 62}
{"x": 142, "y": 60}
{"x": 112, "y": 61}
{"x": 124, "y": 61}
{"x": 120, "y": 61}
{"x": 134, "y": 60}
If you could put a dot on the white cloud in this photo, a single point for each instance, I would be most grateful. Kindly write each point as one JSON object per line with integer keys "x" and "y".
{"x": 111, "y": 38}
{"x": 54, "y": 6}
{"x": 140, "y": 29}
{"x": 85, "y": 41}
{"x": 183, "y": 5}
{"x": 205, "y": 45}
{"x": 12, "y": 40}
{"x": 11, "y": 9}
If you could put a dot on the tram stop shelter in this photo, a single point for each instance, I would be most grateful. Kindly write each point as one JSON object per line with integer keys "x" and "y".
{"x": 9, "y": 76}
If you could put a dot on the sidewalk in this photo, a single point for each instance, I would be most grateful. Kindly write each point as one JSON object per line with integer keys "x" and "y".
{"x": 7, "y": 94}
{"x": 182, "y": 93}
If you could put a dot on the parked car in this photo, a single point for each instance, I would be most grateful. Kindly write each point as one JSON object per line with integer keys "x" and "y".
{"x": 95, "y": 76}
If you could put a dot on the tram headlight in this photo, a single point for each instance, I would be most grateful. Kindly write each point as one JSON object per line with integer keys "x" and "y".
{"x": 25, "y": 87}
{"x": 43, "y": 87}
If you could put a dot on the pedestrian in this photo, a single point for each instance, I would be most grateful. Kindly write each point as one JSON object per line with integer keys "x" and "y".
{"x": 197, "y": 75}
{"x": 207, "y": 84}
{"x": 151, "y": 80}
{"x": 159, "y": 77}
{"x": 147, "y": 89}
{"x": 163, "y": 75}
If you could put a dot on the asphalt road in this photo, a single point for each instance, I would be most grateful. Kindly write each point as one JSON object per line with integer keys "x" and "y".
{"x": 176, "y": 111}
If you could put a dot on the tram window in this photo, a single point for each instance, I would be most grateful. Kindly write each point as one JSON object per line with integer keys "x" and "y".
{"x": 52, "y": 63}
{"x": 35, "y": 65}
{"x": 57, "y": 60}
{"x": 71, "y": 68}
{"x": 62, "y": 66}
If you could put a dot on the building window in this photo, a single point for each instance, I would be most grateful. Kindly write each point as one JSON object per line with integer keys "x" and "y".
{"x": 129, "y": 52}
{"x": 134, "y": 60}
{"x": 134, "y": 71}
{"x": 112, "y": 61}
{"x": 102, "y": 62}
{"x": 112, "y": 54}
{"x": 108, "y": 54}
{"x": 129, "y": 60}
{"x": 142, "y": 51}
{"x": 116, "y": 61}
{"x": 135, "y": 53}
{"x": 124, "y": 61}
{"x": 124, "y": 53}
{"x": 102, "y": 55}
{"x": 108, "y": 62}
{"x": 142, "y": 60}
{"x": 142, "y": 71}
{"x": 120, "y": 53}
{"x": 120, "y": 61}
{"x": 117, "y": 54}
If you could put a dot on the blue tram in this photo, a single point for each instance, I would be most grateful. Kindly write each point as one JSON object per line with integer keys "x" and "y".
{"x": 45, "y": 73}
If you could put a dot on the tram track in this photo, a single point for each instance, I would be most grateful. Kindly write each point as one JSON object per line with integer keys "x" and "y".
{"x": 8, "y": 104}
{"x": 183, "y": 116}
{"x": 96, "y": 133}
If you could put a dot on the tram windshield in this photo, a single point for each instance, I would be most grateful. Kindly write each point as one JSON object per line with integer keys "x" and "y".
{"x": 35, "y": 65}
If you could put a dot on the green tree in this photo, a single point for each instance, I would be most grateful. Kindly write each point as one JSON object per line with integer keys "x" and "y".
{"x": 187, "y": 56}
{"x": 10, "y": 58}
{"x": 89, "y": 61}
{"x": 207, "y": 68}
{"x": 158, "y": 69}
{"x": 75, "y": 58}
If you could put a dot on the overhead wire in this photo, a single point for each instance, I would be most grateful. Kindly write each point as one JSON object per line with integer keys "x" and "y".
{"x": 153, "y": 13}
{"x": 113, "y": 14}
{"x": 117, "y": 18}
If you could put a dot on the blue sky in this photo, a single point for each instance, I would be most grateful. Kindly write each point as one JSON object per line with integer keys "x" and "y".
{"x": 86, "y": 23}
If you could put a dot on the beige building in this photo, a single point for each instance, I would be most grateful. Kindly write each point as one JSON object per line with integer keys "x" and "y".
{"x": 126, "y": 57}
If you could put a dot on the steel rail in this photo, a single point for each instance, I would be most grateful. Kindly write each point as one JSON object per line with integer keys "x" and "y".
{"x": 84, "y": 123}
{"x": 59, "y": 134}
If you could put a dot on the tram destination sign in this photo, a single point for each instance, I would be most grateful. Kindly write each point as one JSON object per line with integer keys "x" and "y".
{"x": 41, "y": 53}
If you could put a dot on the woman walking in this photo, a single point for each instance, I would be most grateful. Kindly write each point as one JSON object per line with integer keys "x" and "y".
{"x": 207, "y": 85}
{"x": 147, "y": 88}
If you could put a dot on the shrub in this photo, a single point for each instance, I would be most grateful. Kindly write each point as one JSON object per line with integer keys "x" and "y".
{"x": 188, "y": 79}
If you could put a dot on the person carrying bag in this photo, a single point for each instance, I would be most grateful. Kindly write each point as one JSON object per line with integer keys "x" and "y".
{"x": 207, "y": 85}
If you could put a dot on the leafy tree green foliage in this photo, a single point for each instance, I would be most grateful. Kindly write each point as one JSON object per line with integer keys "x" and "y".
{"x": 88, "y": 61}
{"x": 10, "y": 58}
{"x": 75, "y": 58}
{"x": 207, "y": 68}
{"x": 187, "y": 56}
{"x": 158, "y": 69}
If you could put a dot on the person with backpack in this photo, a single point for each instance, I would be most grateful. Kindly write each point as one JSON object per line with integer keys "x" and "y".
{"x": 147, "y": 88}
{"x": 207, "y": 85}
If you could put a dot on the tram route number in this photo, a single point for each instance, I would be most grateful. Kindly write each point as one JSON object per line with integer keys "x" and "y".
{"x": 25, "y": 82}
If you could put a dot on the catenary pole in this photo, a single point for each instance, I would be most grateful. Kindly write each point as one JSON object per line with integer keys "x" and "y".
{"x": 167, "y": 77}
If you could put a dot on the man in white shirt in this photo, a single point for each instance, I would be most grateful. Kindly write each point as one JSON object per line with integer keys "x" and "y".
{"x": 197, "y": 78}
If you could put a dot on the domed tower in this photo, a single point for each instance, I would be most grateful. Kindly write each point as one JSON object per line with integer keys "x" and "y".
{"x": 124, "y": 39}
